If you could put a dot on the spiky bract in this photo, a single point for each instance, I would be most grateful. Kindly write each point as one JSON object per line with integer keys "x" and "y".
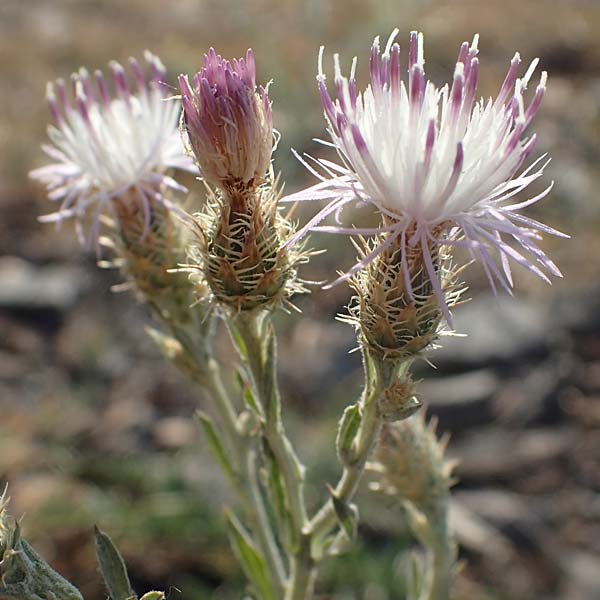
{"x": 395, "y": 321}
{"x": 409, "y": 463}
{"x": 241, "y": 252}
{"x": 148, "y": 247}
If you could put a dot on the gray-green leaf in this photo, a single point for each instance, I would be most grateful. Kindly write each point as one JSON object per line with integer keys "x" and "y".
{"x": 112, "y": 567}
{"x": 216, "y": 445}
{"x": 250, "y": 558}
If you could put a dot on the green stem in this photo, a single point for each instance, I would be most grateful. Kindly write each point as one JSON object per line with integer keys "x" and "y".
{"x": 247, "y": 484}
{"x": 303, "y": 573}
{"x": 206, "y": 372}
{"x": 442, "y": 553}
{"x": 377, "y": 376}
{"x": 226, "y": 413}
{"x": 251, "y": 328}
{"x": 263, "y": 526}
{"x": 326, "y": 520}
{"x": 257, "y": 347}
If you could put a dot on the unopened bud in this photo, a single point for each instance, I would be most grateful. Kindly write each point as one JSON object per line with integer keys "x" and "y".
{"x": 228, "y": 122}
{"x": 409, "y": 463}
{"x": 398, "y": 400}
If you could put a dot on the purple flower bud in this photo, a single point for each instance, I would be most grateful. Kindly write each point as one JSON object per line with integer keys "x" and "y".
{"x": 228, "y": 121}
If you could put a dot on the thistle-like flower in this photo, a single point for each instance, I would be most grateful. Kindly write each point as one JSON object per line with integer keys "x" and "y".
{"x": 241, "y": 252}
{"x": 228, "y": 122}
{"x": 112, "y": 149}
{"x": 439, "y": 166}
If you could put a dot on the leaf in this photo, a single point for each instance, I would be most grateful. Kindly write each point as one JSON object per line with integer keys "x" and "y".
{"x": 347, "y": 429}
{"x": 278, "y": 499}
{"x": 415, "y": 577}
{"x": 269, "y": 384}
{"x": 154, "y": 595}
{"x": 250, "y": 558}
{"x": 216, "y": 445}
{"x": 238, "y": 340}
{"x": 247, "y": 393}
{"x": 112, "y": 567}
{"x": 347, "y": 515}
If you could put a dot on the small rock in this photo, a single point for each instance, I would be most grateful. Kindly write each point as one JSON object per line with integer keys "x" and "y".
{"x": 25, "y": 285}
{"x": 498, "y": 329}
{"x": 490, "y": 453}
{"x": 175, "y": 432}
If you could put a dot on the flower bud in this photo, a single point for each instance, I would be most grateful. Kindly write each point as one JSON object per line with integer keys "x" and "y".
{"x": 398, "y": 400}
{"x": 228, "y": 122}
{"x": 409, "y": 463}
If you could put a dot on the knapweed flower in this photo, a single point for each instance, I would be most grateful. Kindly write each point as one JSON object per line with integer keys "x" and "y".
{"x": 440, "y": 167}
{"x": 112, "y": 148}
{"x": 240, "y": 251}
{"x": 228, "y": 122}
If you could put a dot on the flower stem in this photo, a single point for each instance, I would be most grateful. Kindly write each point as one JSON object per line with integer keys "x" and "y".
{"x": 325, "y": 520}
{"x": 254, "y": 337}
{"x": 303, "y": 573}
{"x": 442, "y": 551}
{"x": 256, "y": 333}
{"x": 244, "y": 452}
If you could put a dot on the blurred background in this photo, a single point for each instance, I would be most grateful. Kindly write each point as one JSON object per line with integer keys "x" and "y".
{"x": 96, "y": 428}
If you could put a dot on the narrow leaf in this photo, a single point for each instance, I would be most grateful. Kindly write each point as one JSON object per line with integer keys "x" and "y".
{"x": 112, "y": 567}
{"x": 247, "y": 393}
{"x": 347, "y": 515}
{"x": 154, "y": 595}
{"x": 277, "y": 495}
{"x": 238, "y": 340}
{"x": 269, "y": 384}
{"x": 250, "y": 558}
{"x": 216, "y": 445}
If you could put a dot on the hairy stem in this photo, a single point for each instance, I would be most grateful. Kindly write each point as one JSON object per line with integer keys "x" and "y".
{"x": 252, "y": 333}
{"x": 442, "y": 553}
{"x": 326, "y": 520}
{"x": 263, "y": 525}
{"x": 201, "y": 367}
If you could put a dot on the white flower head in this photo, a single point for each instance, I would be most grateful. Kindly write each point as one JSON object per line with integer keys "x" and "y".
{"x": 106, "y": 146}
{"x": 439, "y": 165}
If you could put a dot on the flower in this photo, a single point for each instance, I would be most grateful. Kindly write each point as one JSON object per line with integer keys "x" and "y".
{"x": 228, "y": 121}
{"x": 239, "y": 251}
{"x": 106, "y": 147}
{"x": 440, "y": 167}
